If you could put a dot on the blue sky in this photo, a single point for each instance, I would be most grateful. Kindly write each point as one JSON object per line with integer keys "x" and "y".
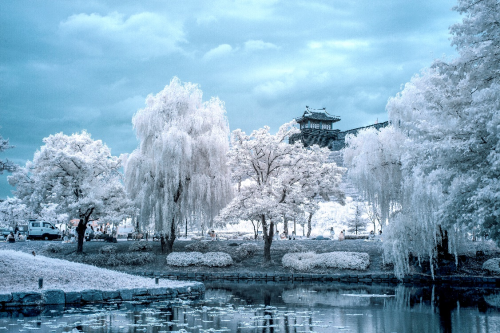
{"x": 66, "y": 66}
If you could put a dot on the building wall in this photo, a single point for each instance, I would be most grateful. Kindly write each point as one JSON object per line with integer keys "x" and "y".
{"x": 333, "y": 139}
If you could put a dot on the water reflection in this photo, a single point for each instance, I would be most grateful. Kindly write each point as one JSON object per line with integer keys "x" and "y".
{"x": 242, "y": 307}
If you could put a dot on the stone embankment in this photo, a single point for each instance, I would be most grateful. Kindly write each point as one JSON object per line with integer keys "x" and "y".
{"x": 416, "y": 279}
{"x": 59, "y": 297}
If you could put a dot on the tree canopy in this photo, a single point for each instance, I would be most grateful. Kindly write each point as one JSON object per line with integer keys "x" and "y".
{"x": 179, "y": 170}
{"x": 435, "y": 173}
{"x": 78, "y": 174}
{"x": 276, "y": 178}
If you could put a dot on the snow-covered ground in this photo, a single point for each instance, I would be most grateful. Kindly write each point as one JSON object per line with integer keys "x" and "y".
{"x": 20, "y": 272}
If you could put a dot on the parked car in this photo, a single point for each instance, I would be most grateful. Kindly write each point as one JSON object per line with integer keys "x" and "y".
{"x": 42, "y": 230}
{"x": 4, "y": 232}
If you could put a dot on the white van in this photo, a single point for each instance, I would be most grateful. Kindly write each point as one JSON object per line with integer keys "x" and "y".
{"x": 42, "y": 230}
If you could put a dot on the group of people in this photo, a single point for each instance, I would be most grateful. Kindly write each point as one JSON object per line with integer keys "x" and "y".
{"x": 15, "y": 235}
{"x": 282, "y": 236}
{"x": 12, "y": 238}
{"x": 341, "y": 236}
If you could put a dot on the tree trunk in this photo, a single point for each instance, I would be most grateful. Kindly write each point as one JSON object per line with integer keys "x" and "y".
{"x": 309, "y": 227}
{"x": 186, "y": 234}
{"x": 285, "y": 226}
{"x": 162, "y": 243}
{"x": 255, "y": 231}
{"x": 268, "y": 238}
{"x": 171, "y": 238}
{"x": 80, "y": 229}
{"x": 442, "y": 248}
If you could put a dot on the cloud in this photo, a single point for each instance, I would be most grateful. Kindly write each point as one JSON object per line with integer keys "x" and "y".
{"x": 219, "y": 51}
{"x": 205, "y": 19}
{"x": 252, "y": 45}
{"x": 144, "y": 35}
{"x": 349, "y": 44}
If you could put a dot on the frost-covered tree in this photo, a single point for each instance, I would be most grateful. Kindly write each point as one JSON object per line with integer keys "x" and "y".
{"x": 78, "y": 174}
{"x": 358, "y": 221}
{"x": 445, "y": 125}
{"x": 5, "y": 165}
{"x": 13, "y": 212}
{"x": 179, "y": 170}
{"x": 280, "y": 178}
{"x": 50, "y": 212}
{"x": 373, "y": 159}
{"x": 374, "y": 216}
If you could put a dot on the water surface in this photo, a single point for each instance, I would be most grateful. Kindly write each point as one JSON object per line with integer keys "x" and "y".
{"x": 254, "y": 307}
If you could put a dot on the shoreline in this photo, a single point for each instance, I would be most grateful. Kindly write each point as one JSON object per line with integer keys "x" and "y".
{"x": 348, "y": 278}
{"x": 194, "y": 290}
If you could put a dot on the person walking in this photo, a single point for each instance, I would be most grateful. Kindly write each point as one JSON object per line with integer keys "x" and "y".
{"x": 341, "y": 236}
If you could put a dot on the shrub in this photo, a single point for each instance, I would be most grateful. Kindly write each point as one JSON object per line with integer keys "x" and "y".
{"x": 305, "y": 261}
{"x": 108, "y": 249}
{"x": 197, "y": 247}
{"x": 245, "y": 250}
{"x": 140, "y": 246}
{"x": 211, "y": 259}
{"x": 184, "y": 259}
{"x": 492, "y": 265}
{"x": 217, "y": 259}
{"x": 300, "y": 261}
{"x": 136, "y": 259}
{"x": 345, "y": 260}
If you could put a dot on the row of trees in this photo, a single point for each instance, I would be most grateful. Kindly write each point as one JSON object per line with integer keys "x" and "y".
{"x": 182, "y": 172}
{"x": 434, "y": 174}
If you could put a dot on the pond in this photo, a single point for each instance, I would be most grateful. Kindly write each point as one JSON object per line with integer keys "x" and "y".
{"x": 286, "y": 308}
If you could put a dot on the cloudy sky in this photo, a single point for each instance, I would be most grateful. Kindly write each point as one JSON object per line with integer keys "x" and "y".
{"x": 66, "y": 66}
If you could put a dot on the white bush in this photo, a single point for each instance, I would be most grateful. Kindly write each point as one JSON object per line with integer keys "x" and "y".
{"x": 211, "y": 259}
{"x": 492, "y": 265}
{"x": 184, "y": 258}
{"x": 345, "y": 260}
{"x": 217, "y": 259}
{"x": 305, "y": 261}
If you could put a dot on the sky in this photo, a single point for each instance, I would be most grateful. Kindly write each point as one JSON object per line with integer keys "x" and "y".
{"x": 68, "y": 66}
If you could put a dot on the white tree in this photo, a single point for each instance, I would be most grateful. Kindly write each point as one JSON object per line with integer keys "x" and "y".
{"x": 13, "y": 212}
{"x": 5, "y": 165}
{"x": 281, "y": 179}
{"x": 50, "y": 212}
{"x": 78, "y": 174}
{"x": 179, "y": 170}
{"x": 358, "y": 221}
{"x": 446, "y": 139}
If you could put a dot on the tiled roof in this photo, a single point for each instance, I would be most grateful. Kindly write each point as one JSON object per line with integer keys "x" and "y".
{"x": 317, "y": 116}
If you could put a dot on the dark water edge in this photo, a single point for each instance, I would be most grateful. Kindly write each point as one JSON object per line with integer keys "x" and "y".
{"x": 280, "y": 307}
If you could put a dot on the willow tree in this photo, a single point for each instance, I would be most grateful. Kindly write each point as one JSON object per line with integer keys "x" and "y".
{"x": 179, "y": 170}
{"x": 434, "y": 174}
